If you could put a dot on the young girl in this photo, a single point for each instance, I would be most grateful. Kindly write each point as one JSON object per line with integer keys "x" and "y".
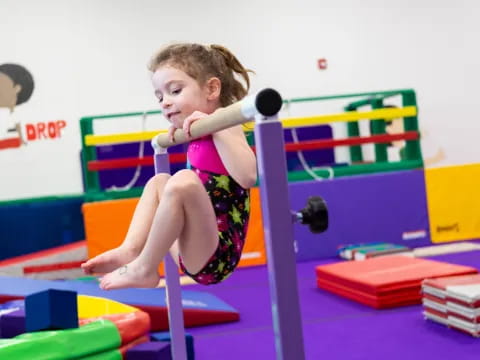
{"x": 201, "y": 214}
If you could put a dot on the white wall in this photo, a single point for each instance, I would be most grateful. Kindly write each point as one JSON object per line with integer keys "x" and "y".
{"x": 89, "y": 57}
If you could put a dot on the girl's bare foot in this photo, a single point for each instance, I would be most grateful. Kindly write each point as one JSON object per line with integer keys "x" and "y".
{"x": 132, "y": 275}
{"x": 109, "y": 260}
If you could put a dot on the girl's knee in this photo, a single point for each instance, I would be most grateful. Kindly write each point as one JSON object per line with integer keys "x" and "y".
{"x": 183, "y": 182}
{"x": 184, "y": 174}
{"x": 156, "y": 183}
{"x": 158, "y": 180}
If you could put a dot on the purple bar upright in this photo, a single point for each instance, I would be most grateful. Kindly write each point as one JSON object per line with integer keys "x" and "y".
{"x": 174, "y": 292}
{"x": 277, "y": 219}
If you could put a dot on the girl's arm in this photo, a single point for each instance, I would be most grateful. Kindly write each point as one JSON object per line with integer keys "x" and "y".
{"x": 236, "y": 155}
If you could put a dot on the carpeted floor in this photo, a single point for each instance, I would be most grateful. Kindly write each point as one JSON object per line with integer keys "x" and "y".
{"x": 333, "y": 327}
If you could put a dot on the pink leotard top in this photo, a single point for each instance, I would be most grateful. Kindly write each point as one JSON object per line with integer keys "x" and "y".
{"x": 202, "y": 154}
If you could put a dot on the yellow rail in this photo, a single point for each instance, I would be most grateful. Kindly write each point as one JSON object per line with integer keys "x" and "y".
{"x": 385, "y": 113}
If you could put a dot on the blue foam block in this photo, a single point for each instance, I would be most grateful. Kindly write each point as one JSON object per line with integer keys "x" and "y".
{"x": 150, "y": 350}
{"x": 165, "y": 336}
{"x": 51, "y": 310}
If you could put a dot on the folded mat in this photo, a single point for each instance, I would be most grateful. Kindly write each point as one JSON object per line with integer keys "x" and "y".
{"x": 409, "y": 297}
{"x": 385, "y": 281}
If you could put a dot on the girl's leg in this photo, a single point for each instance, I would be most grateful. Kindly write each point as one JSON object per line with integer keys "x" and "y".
{"x": 185, "y": 213}
{"x": 137, "y": 232}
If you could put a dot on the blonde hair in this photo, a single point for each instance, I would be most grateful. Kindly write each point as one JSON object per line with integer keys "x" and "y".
{"x": 204, "y": 62}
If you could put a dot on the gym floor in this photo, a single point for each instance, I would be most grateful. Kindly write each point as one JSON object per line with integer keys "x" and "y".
{"x": 333, "y": 327}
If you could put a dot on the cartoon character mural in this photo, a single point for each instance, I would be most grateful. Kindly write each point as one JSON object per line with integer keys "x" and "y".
{"x": 16, "y": 88}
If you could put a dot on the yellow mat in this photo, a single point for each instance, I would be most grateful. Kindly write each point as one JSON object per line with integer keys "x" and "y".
{"x": 453, "y": 197}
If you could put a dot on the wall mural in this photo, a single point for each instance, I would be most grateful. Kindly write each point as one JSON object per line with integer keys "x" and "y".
{"x": 16, "y": 88}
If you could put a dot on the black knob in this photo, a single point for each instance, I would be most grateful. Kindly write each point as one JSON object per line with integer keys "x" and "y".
{"x": 315, "y": 214}
{"x": 268, "y": 102}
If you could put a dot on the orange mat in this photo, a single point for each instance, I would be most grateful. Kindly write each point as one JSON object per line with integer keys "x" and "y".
{"x": 106, "y": 224}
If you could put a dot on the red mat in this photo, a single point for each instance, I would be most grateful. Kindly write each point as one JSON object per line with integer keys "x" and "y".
{"x": 385, "y": 281}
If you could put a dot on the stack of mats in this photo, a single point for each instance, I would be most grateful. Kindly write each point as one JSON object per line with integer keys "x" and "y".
{"x": 368, "y": 251}
{"x": 384, "y": 282}
{"x": 453, "y": 301}
{"x": 107, "y": 330}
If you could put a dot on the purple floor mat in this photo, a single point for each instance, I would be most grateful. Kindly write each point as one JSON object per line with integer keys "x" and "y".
{"x": 334, "y": 327}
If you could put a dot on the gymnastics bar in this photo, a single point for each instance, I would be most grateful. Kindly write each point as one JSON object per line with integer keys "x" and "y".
{"x": 275, "y": 209}
{"x": 172, "y": 279}
{"x": 91, "y": 140}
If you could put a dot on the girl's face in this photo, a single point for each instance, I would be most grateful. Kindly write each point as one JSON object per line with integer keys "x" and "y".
{"x": 180, "y": 95}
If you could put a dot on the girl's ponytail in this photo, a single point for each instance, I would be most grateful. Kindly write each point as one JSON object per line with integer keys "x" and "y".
{"x": 237, "y": 89}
